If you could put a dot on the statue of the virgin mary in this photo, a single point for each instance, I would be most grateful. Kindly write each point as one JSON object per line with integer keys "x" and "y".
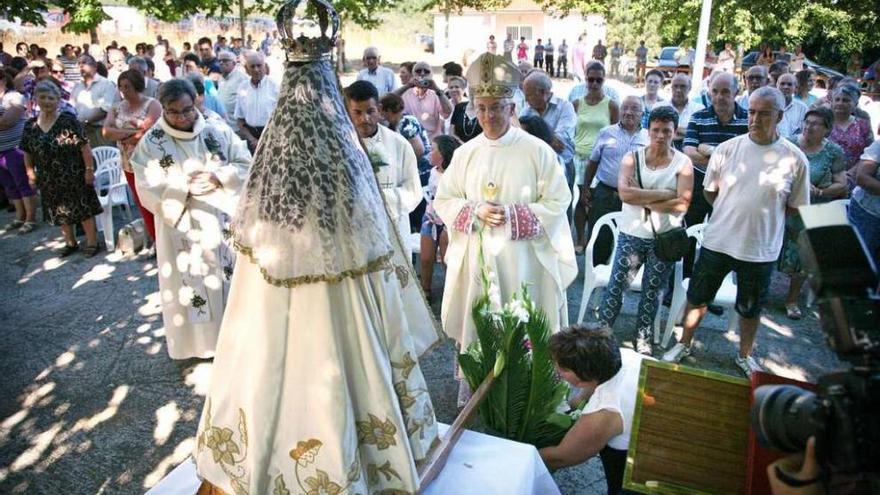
{"x": 316, "y": 386}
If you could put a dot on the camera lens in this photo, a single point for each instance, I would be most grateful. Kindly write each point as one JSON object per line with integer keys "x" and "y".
{"x": 783, "y": 416}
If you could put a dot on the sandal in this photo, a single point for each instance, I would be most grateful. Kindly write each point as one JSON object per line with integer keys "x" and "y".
{"x": 27, "y": 228}
{"x": 13, "y": 225}
{"x": 91, "y": 251}
{"x": 579, "y": 249}
{"x": 793, "y": 312}
{"x": 67, "y": 250}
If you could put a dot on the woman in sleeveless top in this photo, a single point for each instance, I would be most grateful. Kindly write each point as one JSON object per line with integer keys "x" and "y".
{"x": 594, "y": 112}
{"x": 126, "y": 123}
{"x": 655, "y": 197}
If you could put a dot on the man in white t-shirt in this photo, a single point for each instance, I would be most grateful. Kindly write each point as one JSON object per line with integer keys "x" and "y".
{"x": 589, "y": 359}
{"x": 752, "y": 182}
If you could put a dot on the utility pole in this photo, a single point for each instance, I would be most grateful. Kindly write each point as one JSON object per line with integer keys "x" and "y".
{"x": 702, "y": 41}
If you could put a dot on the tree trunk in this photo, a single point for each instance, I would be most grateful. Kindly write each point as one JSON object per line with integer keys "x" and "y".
{"x": 93, "y": 36}
{"x": 241, "y": 18}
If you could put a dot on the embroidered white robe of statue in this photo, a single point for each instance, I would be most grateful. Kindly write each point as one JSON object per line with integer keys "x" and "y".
{"x": 398, "y": 179}
{"x": 533, "y": 247}
{"x": 195, "y": 262}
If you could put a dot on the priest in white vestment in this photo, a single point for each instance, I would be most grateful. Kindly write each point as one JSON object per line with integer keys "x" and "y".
{"x": 188, "y": 174}
{"x": 391, "y": 155}
{"x": 511, "y": 184}
{"x": 316, "y": 386}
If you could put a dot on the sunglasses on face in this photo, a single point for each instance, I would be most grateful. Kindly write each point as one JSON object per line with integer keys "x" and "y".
{"x": 422, "y": 71}
{"x": 57, "y": 71}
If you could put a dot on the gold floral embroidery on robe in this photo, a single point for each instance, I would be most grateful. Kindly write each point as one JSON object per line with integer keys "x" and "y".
{"x": 406, "y": 365}
{"x": 376, "y": 432}
{"x": 225, "y": 451}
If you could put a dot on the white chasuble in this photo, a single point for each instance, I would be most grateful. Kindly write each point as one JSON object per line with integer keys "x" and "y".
{"x": 533, "y": 247}
{"x": 398, "y": 176}
{"x": 195, "y": 261}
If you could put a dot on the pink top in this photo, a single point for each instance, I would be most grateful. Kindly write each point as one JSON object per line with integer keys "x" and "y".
{"x": 427, "y": 109}
{"x": 126, "y": 118}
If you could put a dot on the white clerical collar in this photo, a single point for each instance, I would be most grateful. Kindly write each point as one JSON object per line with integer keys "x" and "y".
{"x": 197, "y": 129}
{"x": 506, "y": 140}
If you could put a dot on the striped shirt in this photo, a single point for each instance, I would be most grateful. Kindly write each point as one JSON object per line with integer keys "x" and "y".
{"x": 71, "y": 70}
{"x": 704, "y": 128}
{"x": 11, "y": 137}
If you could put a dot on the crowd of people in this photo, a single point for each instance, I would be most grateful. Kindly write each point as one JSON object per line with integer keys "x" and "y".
{"x": 484, "y": 157}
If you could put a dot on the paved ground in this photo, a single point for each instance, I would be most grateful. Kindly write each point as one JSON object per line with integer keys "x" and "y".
{"x": 91, "y": 403}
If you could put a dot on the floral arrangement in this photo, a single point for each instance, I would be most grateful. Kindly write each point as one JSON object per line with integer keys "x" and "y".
{"x": 524, "y": 402}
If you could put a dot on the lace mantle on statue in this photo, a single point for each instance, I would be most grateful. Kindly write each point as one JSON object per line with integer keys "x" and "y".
{"x": 311, "y": 210}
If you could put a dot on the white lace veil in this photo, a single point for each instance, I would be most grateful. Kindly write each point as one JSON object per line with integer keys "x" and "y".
{"x": 311, "y": 210}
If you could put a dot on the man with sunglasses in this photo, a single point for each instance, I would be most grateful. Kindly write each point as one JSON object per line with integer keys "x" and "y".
{"x": 381, "y": 77}
{"x": 424, "y": 99}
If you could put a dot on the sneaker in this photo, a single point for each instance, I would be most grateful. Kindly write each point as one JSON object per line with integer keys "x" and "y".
{"x": 678, "y": 352}
{"x": 748, "y": 365}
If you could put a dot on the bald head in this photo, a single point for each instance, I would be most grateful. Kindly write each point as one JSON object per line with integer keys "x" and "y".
{"x": 722, "y": 92}
{"x": 537, "y": 88}
{"x": 631, "y": 112}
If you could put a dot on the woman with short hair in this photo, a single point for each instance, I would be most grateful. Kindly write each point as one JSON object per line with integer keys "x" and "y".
{"x": 13, "y": 175}
{"x": 850, "y": 132}
{"x": 59, "y": 161}
{"x": 827, "y": 183}
{"x": 655, "y": 185}
{"x": 126, "y": 123}
{"x": 589, "y": 359}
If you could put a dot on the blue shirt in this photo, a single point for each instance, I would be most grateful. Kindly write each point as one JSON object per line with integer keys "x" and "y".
{"x": 383, "y": 78}
{"x": 869, "y": 202}
{"x": 704, "y": 128}
{"x": 561, "y": 118}
{"x": 612, "y": 143}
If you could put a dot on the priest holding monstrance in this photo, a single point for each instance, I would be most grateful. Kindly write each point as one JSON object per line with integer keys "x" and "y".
{"x": 506, "y": 187}
{"x": 316, "y": 386}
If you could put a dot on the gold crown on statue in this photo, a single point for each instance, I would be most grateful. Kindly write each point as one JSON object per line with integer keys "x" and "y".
{"x": 302, "y": 48}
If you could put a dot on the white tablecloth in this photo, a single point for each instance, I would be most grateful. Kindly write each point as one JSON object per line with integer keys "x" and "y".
{"x": 479, "y": 464}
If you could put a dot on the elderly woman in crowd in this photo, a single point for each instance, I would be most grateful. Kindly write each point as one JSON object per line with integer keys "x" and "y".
{"x": 424, "y": 100}
{"x": 126, "y": 123}
{"x": 806, "y": 81}
{"x": 864, "y": 210}
{"x": 589, "y": 359}
{"x": 188, "y": 174}
{"x": 12, "y": 171}
{"x": 462, "y": 125}
{"x": 433, "y": 233}
{"x": 59, "y": 161}
{"x": 655, "y": 185}
{"x": 594, "y": 111}
{"x": 827, "y": 183}
{"x": 853, "y": 134}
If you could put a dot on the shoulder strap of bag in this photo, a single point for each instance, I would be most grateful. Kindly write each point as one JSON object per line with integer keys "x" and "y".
{"x": 637, "y": 154}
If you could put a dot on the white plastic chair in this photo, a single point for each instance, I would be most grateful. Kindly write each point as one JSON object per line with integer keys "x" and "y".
{"x": 599, "y": 276}
{"x": 726, "y": 296}
{"x": 575, "y": 197}
{"x": 112, "y": 191}
{"x": 103, "y": 153}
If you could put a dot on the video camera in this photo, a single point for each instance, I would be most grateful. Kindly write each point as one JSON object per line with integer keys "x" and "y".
{"x": 844, "y": 413}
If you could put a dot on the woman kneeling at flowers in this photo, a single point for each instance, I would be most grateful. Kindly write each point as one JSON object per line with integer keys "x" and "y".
{"x": 589, "y": 358}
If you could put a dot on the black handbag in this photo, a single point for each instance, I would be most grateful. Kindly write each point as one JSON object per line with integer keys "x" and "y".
{"x": 671, "y": 245}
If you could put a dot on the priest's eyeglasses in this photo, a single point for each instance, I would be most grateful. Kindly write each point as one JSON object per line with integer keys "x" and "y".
{"x": 186, "y": 113}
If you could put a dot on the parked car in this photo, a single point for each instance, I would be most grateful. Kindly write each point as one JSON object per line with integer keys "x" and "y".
{"x": 669, "y": 61}
{"x": 822, "y": 73}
